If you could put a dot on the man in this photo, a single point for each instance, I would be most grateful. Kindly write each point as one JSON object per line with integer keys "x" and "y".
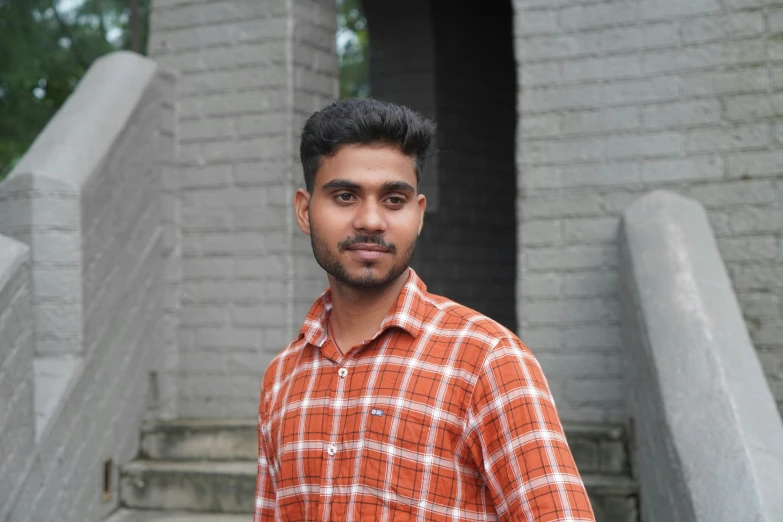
{"x": 393, "y": 403}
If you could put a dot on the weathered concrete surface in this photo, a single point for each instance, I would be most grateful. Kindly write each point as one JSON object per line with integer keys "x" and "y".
{"x": 86, "y": 199}
{"x": 617, "y": 98}
{"x": 708, "y": 436}
{"x": 17, "y": 416}
{"x": 250, "y": 73}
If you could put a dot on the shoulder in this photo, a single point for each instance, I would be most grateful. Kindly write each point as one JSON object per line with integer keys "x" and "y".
{"x": 457, "y": 322}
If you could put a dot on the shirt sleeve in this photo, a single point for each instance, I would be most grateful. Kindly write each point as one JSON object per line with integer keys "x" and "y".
{"x": 265, "y": 479}
{"x": 517, "y": 438}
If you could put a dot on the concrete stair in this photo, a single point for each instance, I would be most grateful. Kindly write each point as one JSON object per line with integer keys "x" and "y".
{"x": 204, "y": 470}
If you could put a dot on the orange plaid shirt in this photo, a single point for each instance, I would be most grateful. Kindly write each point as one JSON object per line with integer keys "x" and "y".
{"x": 442, "y": 415}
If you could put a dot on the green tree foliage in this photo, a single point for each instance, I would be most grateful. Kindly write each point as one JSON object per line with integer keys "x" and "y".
{"x": 45, "y": 48}
{"x": 353, "y": 49}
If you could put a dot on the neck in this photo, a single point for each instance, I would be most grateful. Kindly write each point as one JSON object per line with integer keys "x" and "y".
{"x": 358, "y": 313}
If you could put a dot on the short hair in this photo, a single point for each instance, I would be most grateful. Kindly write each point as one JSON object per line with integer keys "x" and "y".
{"x": 363, "y": 122}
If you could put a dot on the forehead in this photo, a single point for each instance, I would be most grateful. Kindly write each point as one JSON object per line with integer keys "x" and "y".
{"x": 367, "y": 165}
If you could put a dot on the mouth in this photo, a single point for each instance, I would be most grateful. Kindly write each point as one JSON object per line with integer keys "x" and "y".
{"x": 368, "y": 251}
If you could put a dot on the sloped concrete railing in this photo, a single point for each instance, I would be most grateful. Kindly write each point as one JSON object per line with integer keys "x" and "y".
{"x": 708, "y": 436}
{"x": 81, "y": 307}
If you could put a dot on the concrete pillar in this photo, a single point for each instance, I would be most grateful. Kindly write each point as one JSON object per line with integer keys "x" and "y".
{"x": 251, "y": 72}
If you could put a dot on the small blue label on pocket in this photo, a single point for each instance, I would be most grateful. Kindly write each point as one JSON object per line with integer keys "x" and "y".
{"x": 377, "y": 412}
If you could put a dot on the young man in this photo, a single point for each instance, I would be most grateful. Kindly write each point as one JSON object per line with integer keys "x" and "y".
{"x": 393, "y": 403}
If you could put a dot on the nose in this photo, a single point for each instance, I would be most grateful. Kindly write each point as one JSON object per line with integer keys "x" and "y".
{"x": 370, "y": 218}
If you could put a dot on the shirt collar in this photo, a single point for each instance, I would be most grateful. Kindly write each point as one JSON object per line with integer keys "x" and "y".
{"x": 407, "y": 313}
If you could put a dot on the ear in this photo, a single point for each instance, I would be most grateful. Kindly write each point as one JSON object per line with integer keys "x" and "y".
{"x": 422, "y": 200}
{"x": 302, "y": 210}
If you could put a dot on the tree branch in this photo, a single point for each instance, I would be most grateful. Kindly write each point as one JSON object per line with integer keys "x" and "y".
{"x": 66, "y": 32}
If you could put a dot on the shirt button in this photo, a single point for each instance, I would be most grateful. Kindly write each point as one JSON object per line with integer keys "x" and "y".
{"x": 332, "y": 451}
{"x": 342, "y": 372}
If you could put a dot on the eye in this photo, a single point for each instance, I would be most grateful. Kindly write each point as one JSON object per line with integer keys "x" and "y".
{"x": 344, "y": 197}
{"x": 395, "y": 201}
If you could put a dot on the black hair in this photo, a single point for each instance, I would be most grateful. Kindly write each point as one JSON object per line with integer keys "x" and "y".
{"x": 363, "y": 122}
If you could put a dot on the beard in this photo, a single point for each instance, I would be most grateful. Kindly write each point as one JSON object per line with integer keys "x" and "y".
{"x": 330, "y": 262}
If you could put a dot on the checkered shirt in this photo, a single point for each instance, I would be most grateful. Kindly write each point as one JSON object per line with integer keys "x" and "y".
{"x": 442, "y": 415}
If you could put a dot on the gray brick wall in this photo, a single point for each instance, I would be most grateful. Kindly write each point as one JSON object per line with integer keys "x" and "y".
{"x": 114, "y": 134}
{"x": 467, "y": 248}
{"x": 17, "y": 416}
{"x": 250, "y": 72}
{"x": 617, "y": 98}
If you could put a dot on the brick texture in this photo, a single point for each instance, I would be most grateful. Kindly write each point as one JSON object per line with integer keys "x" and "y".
{"x": 107, "y": 287}
{"x": 250, "y": 73}
{"x": 617, "y": 98}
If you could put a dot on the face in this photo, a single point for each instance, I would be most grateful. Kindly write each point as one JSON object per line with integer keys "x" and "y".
{"x": 363, "y": 216}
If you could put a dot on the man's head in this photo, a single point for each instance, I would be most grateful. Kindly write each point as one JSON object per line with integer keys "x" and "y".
{"x": 362, "y": 162}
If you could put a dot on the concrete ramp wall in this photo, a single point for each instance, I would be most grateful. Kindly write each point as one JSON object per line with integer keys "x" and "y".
{"x": 708, "y": 439}
{"x": 82, "y": 305}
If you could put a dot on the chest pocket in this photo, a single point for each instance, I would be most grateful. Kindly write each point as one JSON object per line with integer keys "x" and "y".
{"x": 394, "y": 453}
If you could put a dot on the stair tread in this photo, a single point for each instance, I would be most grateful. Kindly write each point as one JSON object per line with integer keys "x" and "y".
{"x": 192, "y": 466}
{"x": 606, "y": 481}
{"x": 200, "y": 424}
{"x": 139, "y": 515}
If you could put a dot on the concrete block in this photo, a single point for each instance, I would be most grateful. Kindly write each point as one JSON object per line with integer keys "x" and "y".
{"x": 689, "y": 169}
{"x": 697, "y": 57}
{"x": 534, "y": 178}
{"x": 597, "y": 15}
{"x": 757, "y": 249}
{"x": 754, "y": 164}
{"x": 541, "y": 48}
{"x": 760, "y": 304}
{"x": 722, "y": 27}
{"x": 645, "y": 145}
{"x": 762, "y": 277}
{"x": 590, "y": 230}
{"x": 548, "y": 259}
{"x": 572, "y": 205}
{"x": 540, "y": 285}
{"x": 540, "y": 74}
{"x": 734, "y": 193}
{"x": 601, "y": 120}
{"x": 644, "y": 37}
{"x": 754, "y": 107}
{"x": 570, "y": 311}
{"x": 542, "y": 126}
{"x": 681, "y": 114}
{"x": 656, "y": 9}
{"x": 561, "y": 151}
{"x": 756, "y": 220}
{"x": 590, "y": 284}
{"x": 594, "y": 337}
{"x": 537, "y": 22}
{"x": 544, "y": 232}
{"x": 728, "y": 138}
{"x": 604, "y": 68}
{"x": 541, "y": 99}
{"x": 642, "y": 91}
{"x": 600, "y": 175}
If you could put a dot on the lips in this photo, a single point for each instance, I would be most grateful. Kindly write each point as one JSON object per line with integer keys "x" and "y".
{"x": 368, "y": 251}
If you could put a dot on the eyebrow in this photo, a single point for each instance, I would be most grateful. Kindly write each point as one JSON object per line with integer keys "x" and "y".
{"x": 341, "y": 184}
{"x": 389, "y": 186}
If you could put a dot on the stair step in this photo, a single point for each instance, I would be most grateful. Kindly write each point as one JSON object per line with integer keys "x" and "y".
{"x": 614, "y": 497}
{"x": 200, "y": 439}
{"x": 598, "y": 448}
{"x": 212, "y": 487}
{"x": 132, "y": 515}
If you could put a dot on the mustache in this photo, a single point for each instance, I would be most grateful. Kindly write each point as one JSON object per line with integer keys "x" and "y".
{"x": 374, "y": 240}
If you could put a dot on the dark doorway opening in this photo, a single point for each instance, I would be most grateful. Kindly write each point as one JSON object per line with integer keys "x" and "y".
{"x": 454, "y": 62}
